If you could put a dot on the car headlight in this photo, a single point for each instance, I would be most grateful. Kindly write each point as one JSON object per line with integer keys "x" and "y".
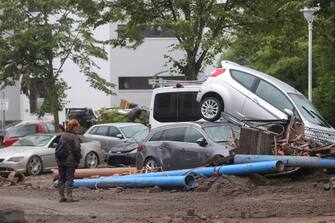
{"x": 15, "y": 159}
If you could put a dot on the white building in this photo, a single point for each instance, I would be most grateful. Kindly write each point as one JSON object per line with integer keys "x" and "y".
{"x": 127, "y": 68}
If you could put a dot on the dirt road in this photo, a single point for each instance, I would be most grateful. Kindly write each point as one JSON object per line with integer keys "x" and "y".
{"x": 224, "y": 199}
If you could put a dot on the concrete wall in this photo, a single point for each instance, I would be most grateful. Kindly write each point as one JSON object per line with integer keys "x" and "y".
{"x": 13, "y": 94}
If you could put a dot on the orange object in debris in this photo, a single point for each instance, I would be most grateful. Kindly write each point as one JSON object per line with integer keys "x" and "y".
{"x": 99, "y": 172}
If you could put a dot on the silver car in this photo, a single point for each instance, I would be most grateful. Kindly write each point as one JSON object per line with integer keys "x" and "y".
{"x": 249, "y": 94}
{"x": 35, "y": 154}
{"x": 112, "y": 134}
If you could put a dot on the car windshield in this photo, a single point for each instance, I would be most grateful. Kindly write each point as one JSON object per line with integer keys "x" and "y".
{"x": 139, "y": 137}
{"x": 308, "y": 110}
{"x": 130, "y": 131}
{"x": 222, "y": 133}
{"x": 20, "y": 130}
{"x": 34, "y": 140}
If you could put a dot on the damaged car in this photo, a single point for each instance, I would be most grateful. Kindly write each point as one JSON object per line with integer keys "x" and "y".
{"x": 125, "y": 153}
{"x": 249, "y": 94}
{"x": 186, "y": 145}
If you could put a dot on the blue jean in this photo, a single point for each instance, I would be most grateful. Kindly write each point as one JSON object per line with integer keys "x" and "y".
{"x": 66, "y": 175}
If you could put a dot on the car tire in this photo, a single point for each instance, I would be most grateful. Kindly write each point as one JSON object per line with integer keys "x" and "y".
{"x": 211, "y": 108}
{"x": 91, "y": 160}
{"x": 150, "y": 165}
{"x": 34, "y": 166}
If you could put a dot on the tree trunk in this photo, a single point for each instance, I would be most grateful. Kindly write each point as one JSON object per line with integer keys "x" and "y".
{"x": 53, "y": 94}
{"x": 191, "y": 71}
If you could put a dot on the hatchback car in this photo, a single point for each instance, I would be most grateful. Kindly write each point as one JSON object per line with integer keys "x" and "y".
{"x": 112, "y": 134}
{"x": 249, "y": 94}
{"x": 35, "y": 154}
{"x": 25, "y": 128}
{"x": 186, "y": 145}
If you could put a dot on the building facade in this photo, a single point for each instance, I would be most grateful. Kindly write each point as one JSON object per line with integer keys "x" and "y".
{"x": 128, "y": 69}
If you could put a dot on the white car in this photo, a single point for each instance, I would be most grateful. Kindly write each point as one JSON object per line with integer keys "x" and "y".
{"x": 249, "y": 94}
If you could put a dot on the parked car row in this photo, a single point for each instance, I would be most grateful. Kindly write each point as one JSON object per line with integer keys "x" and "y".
{"x": 173, "y": 146}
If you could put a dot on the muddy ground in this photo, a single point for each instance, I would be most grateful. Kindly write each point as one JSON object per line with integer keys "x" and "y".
{"x": 304, "y": 197}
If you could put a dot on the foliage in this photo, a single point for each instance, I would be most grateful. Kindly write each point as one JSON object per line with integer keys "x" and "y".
{"x": 201, "y": 27}
{"x": 324, "y": 54}
{"x": 111, "y": 116}
{"x": 37, "y": 38}
{"x": 274, "y": 43}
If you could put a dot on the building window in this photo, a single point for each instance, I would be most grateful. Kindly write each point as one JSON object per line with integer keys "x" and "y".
{"x": 141, "y": 83}
{"x": 150, "y": 32}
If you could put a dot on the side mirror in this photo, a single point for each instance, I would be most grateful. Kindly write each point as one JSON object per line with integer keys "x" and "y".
{"x": 288, "y": 112}
{"x": 120, "y": 136}
{"x": 202, "y": 142}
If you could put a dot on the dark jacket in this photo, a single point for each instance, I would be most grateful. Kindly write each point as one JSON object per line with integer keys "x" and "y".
{"x": 72, "y": 143}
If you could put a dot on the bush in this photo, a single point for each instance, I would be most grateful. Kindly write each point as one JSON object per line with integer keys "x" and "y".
{"x": 135, "y": 115}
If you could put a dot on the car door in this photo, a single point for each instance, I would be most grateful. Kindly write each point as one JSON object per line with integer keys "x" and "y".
{"x": 48, "y": 154}
{"x": 239, "y": 90}
{"x": 173, "y": 148}
{"x": 101, "y": 135}
{"x": 267, "y": 102}
{"x": 194, "y": 155}
{"x": 113, "y": 138}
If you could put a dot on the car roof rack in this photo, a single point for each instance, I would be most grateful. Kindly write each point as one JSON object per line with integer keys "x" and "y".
{"x": 160, "y": 82}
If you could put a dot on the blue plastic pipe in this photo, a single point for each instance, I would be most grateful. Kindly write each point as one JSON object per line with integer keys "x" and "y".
{"x": 292, "y": 161}
{"x": 236, "y": 169}
{"x": 188, "y": 181}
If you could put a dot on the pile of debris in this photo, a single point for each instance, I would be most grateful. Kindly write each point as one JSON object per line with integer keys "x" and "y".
{"x": 12, "y": 178}
{"x": 280, "y": 137}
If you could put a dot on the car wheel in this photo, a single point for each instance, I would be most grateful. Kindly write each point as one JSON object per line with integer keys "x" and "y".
{"x": 91, "y": 160}
{"x": 34, "y": 166}
{"x": 210, "y": 109}
{"x": 150, "y": 165}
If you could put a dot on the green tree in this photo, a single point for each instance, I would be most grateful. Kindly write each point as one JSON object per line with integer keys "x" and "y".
{"x": 273, "y": 41}
{"x": 201, "y": 27}
{"x": 324, "y": 63}
{"x": 38, "y": 37}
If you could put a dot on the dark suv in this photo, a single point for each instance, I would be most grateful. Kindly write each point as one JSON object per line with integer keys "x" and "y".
{"x": 22, "y": 129}
{"x": 186, "y": 145}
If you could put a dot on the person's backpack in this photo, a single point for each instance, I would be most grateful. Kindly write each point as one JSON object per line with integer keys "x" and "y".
{"x": 61, "y": 151}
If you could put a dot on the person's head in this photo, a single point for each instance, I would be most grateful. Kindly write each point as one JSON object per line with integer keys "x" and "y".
{"x": 72, "y": 125}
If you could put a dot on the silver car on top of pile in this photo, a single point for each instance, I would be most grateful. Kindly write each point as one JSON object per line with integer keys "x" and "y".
{"x": 35, "y": 154}
{"x": 249, "y": 94}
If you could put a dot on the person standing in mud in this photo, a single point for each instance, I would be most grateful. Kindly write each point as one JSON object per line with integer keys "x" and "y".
{"x": 68, "y": 155}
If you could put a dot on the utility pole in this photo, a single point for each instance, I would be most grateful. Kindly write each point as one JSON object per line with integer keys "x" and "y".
{"x": 309, "y": 15}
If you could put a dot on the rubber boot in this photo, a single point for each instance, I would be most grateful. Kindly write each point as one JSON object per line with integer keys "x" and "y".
{"x": 61, "y": 190}
{"x": 69, "y": 195}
